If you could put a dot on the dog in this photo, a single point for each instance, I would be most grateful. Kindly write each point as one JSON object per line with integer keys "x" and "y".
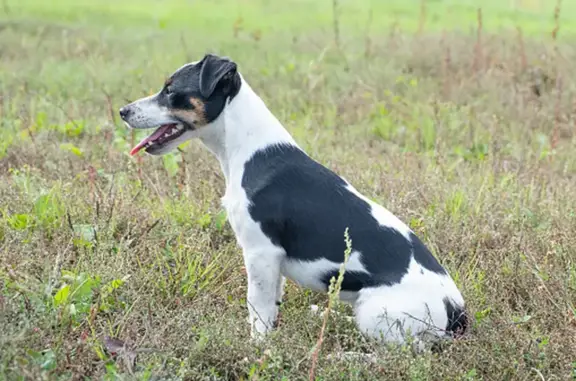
{"x": 289, "y": 213}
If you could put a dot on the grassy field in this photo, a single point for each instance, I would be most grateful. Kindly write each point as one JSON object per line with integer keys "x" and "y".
{"x": 464, "y": 129}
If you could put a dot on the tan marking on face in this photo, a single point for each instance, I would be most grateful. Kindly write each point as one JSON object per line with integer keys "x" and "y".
{"x": 196, "y": 117}
{"x": 197, "y": 103}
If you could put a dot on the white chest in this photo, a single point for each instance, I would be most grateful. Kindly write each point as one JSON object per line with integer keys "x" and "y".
{"x": 248, "y": 232}
{"x": 236, "y": 205}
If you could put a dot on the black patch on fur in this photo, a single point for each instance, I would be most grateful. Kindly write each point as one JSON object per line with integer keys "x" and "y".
{"x": 305, "y": 208}
{"x": 180, "y": 101}
{"x": 185, "y": 84}
{"x": 352, "y": 281}
{"x": 457, "y": 318}
{"x": 424, "y": 257}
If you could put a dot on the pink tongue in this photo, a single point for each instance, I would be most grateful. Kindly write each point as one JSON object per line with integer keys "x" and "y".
{"x": 159, "y": 132}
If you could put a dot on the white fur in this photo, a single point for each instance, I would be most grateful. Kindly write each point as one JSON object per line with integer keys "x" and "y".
{"x": 383, "y": 215}
{"x": 413, "y": 306}
{"x": 147, "y": 112}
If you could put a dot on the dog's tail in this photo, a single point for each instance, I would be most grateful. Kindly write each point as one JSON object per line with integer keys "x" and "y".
{"x": 458, "y": 319}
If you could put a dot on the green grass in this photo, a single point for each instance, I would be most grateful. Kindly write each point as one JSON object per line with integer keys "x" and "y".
{"x": 470, "y": 143}
{"x": 298, "y": 16}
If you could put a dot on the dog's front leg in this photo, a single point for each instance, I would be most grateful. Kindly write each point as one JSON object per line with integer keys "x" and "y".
{"x": 263, "y": 270}
{"x": 280, "y": 290}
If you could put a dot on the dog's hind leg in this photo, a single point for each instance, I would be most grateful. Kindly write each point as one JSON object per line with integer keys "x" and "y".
{"x": 390, "y": 316}
{"x": 264, "y": 278}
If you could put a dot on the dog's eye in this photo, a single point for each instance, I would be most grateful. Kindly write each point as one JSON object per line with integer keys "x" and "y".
{"x": 167, "y": 91}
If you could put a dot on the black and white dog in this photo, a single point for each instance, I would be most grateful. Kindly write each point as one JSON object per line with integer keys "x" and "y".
{"x": 289, "y": 213}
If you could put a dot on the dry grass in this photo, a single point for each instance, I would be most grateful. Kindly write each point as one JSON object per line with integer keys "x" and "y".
{"x": 470, "y": 140}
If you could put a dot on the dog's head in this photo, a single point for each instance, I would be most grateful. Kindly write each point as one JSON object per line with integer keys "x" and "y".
{"x": 190, "y": 100}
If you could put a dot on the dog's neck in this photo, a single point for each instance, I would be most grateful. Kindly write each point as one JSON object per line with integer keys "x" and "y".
{"x": 244, "y": 127}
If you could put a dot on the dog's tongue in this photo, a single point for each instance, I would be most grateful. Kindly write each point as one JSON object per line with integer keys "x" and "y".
{"x": 159, "y": 132}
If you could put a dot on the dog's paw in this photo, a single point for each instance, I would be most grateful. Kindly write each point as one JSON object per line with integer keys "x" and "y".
{"x": 259, "y": 330}
{"x": 315, "y": 310}
{"x": 257, "y": 337}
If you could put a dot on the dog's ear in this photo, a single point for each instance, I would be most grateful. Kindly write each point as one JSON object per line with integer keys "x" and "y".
{"x": 216, "y": 71}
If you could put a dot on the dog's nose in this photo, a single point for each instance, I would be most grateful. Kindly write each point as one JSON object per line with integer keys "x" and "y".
{"x": 125, "y": 112}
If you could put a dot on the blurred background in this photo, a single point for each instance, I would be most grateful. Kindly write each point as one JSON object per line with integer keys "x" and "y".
{"x": 458, "y": 116}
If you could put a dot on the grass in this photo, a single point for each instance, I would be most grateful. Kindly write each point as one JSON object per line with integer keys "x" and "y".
{"x": 466, "y": 132}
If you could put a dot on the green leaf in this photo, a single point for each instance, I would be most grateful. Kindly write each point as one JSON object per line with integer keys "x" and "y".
{"x": 40, "y": 122}
{"x": 205, "y": 220}
{"x": 472, "y": 374}
{"x": 171, "y": 164}
{"x": 84, "y": 291}
{"x": 220, "y": 220}
{"x": 48, "y": 209}
{"x": 71, "y": 148}
{"x": 19, "y": 221}
{"x": 68, "y": 275}
{"x": 48, "y": 360}
{"x": 523, "y": 319}
{"x": 86, "y": 232}
{"x": 183, "y": 145}
{"x": 480, "y": 315}
{"x": 116, "y": 283}
{"x": 62, "y": 295}
{"x": 45, "y": 359}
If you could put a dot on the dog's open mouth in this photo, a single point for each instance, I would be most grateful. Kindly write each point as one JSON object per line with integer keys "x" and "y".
{"x": 164, "y": 134}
